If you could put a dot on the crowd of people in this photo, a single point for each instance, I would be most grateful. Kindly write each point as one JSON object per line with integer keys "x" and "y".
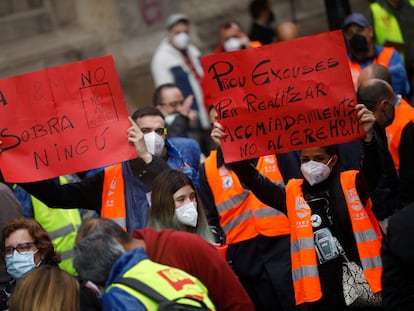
{"x": 180, "y": 225}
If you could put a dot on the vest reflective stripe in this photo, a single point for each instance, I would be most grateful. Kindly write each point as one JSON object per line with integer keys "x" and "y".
{"x": 404, "y": 114}
{"x": 62, "y": 226}
{"x": 230, "y": 203}
{"x": 68, "y": 254}
{"x": 236, "y": 221}
{"x": 174, "y": 283}
{"x": 242, "y": 215}
{"x": 366, "y": 231}
{"x": 383, "y": 59}
{"x": 305, "y": 273}
{"x": 304, "y": 261}
{"x": 62, "y": 231}
{"x": 266, "y": 212}
{"x": 113, "y": 196}
{"x": 305, "y": 243}
{"x": 385, "y": 25}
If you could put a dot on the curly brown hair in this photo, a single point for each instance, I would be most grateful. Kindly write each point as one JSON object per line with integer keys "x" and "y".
{"x": 39, "y": 235}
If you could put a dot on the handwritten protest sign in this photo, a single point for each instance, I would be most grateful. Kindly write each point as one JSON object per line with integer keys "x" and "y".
{"x": 284, "y": 96}
{"x": 62, "y": 120}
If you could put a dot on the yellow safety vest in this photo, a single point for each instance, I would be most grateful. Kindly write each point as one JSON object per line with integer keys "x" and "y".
{"x": 170, "y": 282}
{"x": 62, "y": 226}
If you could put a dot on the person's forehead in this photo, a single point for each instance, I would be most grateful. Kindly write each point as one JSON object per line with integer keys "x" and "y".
{"x": 232, "y": 31}
{"x": 179, "y": 27}
{"x": 171, "y": 93}
{"x": 354, "y": 28}
{"x": 152, "y": 122}
{"x": 18, "y": 236}
{"x": 314, "y": 151}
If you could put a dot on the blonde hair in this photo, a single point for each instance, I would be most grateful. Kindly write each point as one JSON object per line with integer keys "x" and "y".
{"x": 46, "y": 288}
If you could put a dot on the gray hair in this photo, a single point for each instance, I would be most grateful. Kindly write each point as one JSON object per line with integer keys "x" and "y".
{"x": 94, "y": 257}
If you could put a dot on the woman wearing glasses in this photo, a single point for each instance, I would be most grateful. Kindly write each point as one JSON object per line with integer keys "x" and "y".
{"x": 26, "y": 245}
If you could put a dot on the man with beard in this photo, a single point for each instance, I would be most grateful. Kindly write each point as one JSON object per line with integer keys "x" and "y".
{"x": 362, "y": 52}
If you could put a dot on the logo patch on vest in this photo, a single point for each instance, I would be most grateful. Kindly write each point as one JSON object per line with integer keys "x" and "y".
{"x": 353, "y": 199}
{"x": 227, "y": 182}
{"x": 302, "y": 208}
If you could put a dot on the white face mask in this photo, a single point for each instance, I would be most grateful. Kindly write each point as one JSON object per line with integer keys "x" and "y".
{"x": 187, "y": 214}
{"x": 232, "y": 44}
{"x": 315, "y": 172}
{"x": 155, "y": 143}
{"x": 181, "y": 40}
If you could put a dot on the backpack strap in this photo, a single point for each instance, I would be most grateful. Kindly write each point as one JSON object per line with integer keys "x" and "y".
{"x": 157, "y": 297}
{"x": 142, "y": 288}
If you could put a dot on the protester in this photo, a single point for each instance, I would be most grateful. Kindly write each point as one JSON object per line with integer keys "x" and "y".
{"x": 175, "y": 204}
{"x": 101, "y": 259}
{"x": 359, "y": 36}
{"x": 177, "y": 112}
{"x": 151, "y": 122}
{"x": 400, "y": 134}
{"x": 124, "y": 185}
{"x": 398, "y": 260}
{"x": 262, "y": 28}
{"x": 61, "y": 224}
{"x": 378, "y": 96}
{"x": 328, "y": 203}
{"x": 10, "y": 209}
{"x": 394, "y": 26}
{"x": 46, "y": 288}
{"x": 177, "y": 61}
{"x": 257, "y": 235}
{"x": 232, "y": 38}
{"x": 287, "y": 31}
{"x": 25, "y": 246}
{"x": 182, "y": 250}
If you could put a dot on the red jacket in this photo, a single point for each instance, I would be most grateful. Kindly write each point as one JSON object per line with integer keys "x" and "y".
{"x": 191, "y": 253}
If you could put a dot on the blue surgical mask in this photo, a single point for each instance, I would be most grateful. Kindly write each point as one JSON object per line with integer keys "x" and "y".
{"x": 19, "y": 264}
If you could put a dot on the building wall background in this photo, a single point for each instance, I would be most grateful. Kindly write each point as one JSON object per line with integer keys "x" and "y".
{"x": 38, "y": 34}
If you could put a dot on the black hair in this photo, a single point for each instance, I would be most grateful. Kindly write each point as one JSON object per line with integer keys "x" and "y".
{"x": 146, "y": 111}
{"x": 157, "y": 97}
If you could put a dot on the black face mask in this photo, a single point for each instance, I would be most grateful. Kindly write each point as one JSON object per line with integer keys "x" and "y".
{"x": 358, "y": 44}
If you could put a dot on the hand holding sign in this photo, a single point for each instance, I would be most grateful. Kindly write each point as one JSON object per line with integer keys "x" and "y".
{"x": 284, "y": 96}
{"x": 365, "y": 117}
{"x": 62, "y": 120}
{"x": 136, "y": 137}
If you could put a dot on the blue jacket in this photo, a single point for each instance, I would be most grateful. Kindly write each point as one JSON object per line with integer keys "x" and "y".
{"x": 117, "y": 299}
{"x": 399, "y": 79}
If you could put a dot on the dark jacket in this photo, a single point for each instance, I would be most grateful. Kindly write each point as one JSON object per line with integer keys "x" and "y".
{"x": 330, "y": 273}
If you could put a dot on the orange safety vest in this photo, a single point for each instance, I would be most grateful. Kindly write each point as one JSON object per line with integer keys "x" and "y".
{"x": 404, "y": 113}
{"x": 366, "y": 231}
{"x": 242, "y": 215}
{"x": 113, "y": 196}
{"x": 383, "y": 58}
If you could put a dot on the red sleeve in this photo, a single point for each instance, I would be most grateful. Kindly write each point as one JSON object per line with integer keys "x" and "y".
{"x": 191, "y": 253}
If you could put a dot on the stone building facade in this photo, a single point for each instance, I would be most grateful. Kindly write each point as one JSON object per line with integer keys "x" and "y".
{"x": 37, "y": 34}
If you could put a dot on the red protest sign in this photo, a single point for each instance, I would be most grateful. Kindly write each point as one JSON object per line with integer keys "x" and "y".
{"x": 284, "y": 96}
{"x": 62, "y": 120}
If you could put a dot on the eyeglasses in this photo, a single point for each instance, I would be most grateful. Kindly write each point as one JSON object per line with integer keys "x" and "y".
{"x": 173, "y": 104}
{"x": 160, "y": 131}
{"x": 21, "y": 248}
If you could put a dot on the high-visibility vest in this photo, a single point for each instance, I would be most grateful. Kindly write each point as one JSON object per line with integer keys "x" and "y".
{"x": 383, "y": 58}
{"x": 404, "y": 114}
{"x": 304, "y": 260}
{"x": 385, "y": 25}
{"x": 172, "y": 283}
{"x": 242, "y": 215}
{"x": 62, "y": 226}
{"x": 113, "y": 195}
